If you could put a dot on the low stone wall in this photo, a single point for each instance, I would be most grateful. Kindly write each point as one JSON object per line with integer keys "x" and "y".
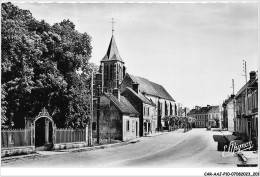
{"x": 61, "y": 146}
{"x": 13, "y": 151}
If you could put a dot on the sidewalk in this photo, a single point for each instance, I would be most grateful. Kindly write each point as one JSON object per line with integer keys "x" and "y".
{"x": 249, "y": 158}
{"x": 156, "y": 134}
{"x": 72, "y": 150}
{"x": 180, "y": 130}
{"x": 79, "y": 149}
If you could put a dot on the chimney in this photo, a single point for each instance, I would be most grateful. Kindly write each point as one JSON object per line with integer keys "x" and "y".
{"x": 135, "y": 87}
{"x": 116, "y": 93}
{"x": 252, "y": 76}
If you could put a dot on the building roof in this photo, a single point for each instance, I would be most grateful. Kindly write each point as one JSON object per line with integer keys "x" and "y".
{"x": 112, "y": 52}
{"x": 204, "y": 110}
{"x": 123, "y": 105}
{"x": 193, "y": 111}
{"x": 214, "y": 109}
{"x": 254, "y": 82}
{"x": 151, "y": 88}
{"x": 138, "y": 96}
{"x": 243, "y": 88}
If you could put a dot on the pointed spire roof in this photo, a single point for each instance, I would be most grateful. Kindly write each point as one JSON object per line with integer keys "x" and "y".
{"x": 112, "y": 52}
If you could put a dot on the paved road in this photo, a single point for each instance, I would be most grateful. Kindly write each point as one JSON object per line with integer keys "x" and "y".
{"x": 196, "y": 148}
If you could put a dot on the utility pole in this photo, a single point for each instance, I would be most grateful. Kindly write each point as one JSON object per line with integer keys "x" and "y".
{"x": 246, "y": 98}
{"x": 233, "y": 86}
{"x": 234, "y": 104}
{"x": 91, "y": 118}
{"x": 244, "y": 69}
{"x": 98, "y": 112}
{"x": 98, "y": 88}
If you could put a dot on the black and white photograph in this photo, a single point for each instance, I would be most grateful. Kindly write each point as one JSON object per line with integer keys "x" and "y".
{"x": 129, "y": 88}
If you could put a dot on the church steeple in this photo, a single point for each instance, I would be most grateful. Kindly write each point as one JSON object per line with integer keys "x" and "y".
{"x": 112, "y": 66}
{"x": 112, "y": 52}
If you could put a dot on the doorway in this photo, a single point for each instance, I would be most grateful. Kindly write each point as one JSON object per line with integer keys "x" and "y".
{"x": 43, "y": 134}
{"x": 39, "y": 132}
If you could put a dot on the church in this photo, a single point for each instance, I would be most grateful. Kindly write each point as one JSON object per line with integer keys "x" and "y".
{"x": 129, "y": 106}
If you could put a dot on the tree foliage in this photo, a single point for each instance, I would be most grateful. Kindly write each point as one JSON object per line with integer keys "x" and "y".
{"x": 40, "y": 68}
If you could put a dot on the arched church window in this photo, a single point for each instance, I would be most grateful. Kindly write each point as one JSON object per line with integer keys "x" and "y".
{"x": 124, "y": 71}
{"x": 106, "y": 72}
{"x": 111, "y": 72}
{"x": 117, "y": 71}
{"x": 122, "y": 74}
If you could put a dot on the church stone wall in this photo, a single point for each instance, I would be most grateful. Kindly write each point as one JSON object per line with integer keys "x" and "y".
{"x": 127, "y": 82}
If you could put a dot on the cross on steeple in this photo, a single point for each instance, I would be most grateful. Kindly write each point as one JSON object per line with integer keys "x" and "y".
{"x": 113, "y": 25}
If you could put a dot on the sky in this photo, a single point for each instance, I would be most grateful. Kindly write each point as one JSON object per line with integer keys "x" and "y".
{"x": 193, "y": 49}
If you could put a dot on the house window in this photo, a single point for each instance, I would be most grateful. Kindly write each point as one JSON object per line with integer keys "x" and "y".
{"x": 166, "y": 108}
{"x": 127, "y": 125}
{"x": 144, "y": 111}
{"x": 148, "y": 111}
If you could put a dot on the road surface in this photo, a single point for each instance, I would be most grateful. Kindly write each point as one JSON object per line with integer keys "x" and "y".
{"x": 195, "y": 148}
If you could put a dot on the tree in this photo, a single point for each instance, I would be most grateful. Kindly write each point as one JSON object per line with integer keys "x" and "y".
{"x": 40, "y": 68}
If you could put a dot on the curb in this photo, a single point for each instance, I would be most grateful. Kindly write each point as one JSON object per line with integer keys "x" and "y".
{"x": 225, "y": 137}
{"x": 3, "y": 159}
{"x": 156, "y": 135}
{"x": 241, "y": 155}
{"x": 74, "y": 150}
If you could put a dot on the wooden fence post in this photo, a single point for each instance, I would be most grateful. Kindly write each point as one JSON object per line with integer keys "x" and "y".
{"x": 10, "y": 138}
